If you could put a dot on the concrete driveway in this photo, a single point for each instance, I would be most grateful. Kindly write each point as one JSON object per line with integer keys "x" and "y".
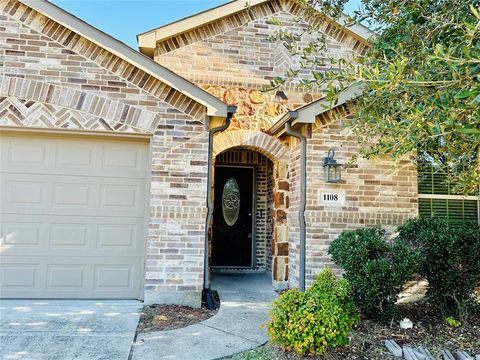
{"x": 67, "y": 329}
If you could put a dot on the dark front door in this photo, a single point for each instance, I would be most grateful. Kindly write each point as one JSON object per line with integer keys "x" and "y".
{"x": 232, "y": 217}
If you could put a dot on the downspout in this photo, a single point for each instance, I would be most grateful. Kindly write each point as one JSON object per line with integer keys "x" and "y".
{"x": 303, "y": 200}
{"x": 231, "y": 110}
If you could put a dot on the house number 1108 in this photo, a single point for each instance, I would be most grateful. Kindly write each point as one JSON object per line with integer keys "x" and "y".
{"x": 330, "y": 197}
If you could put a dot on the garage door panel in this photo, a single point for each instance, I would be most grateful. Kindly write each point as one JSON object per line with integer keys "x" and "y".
{"x": 124, "y": 196}
{"x": 22, "y": 153}
{"x": 27, "y": 153}
{"x": 71, "y": 277}
{"x": 73, "y": 195}
{"x": 74, "y": 157}
{"x": 70, "y": 236}
{"x": 72, "y": 217}
{"x": 18, "y": 193}
{"x": 44, "y": 235}
{"x": 67, "y": 277}
{"x": 117, "y": 236}
{"x": 15, "y": 274}
{"x": 22, "y": 235}
{"x": 122, "y": 160}
{"x": 113, "y": 277}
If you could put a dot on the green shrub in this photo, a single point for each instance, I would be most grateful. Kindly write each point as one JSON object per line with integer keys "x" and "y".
{"x": 315, "y": 320}
{"x": 375, "y": 268}
{"x": 450, "y": 261}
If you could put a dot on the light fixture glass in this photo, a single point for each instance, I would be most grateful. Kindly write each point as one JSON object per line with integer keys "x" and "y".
{"x": 331, "y": 168}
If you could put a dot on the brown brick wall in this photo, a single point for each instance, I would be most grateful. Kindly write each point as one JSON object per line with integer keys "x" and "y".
{"x": 245, "y": 55}
{"x": 52, "y": 78}
{"x": 236, "y": 50}
{"x": 37, "y": 48}
{"x": 174, "y": 268}
{"x": 235, "y": 57}
{"x": 378, "y": 192}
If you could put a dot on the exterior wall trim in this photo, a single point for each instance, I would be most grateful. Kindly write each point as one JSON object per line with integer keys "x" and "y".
{"x": 139, "y": 137}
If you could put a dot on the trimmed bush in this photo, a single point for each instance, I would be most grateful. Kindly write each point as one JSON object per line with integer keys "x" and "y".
{"x": 313, "y": 321}
{"x": 450, "y": 261}
{"x": 375, "y": 268}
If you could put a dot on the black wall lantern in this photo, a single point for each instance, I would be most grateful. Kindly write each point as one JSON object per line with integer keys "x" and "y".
{"x": 331, "y": 169}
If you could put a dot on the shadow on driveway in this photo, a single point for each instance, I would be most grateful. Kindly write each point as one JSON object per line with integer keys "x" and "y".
{"x": 67, "y": 329}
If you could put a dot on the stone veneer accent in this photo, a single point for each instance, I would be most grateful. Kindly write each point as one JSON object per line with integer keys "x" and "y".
{"x": 51, "y": 78}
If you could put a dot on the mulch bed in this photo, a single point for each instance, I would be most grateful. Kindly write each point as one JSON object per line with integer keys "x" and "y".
{"x": 367, "y": 340}
{"x": 169, "y": 317}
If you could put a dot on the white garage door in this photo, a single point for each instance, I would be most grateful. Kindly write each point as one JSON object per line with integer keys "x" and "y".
{"x": 72, "y": 216}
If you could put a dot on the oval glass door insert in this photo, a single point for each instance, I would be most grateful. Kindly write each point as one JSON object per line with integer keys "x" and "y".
{"x": 231, "y": 201}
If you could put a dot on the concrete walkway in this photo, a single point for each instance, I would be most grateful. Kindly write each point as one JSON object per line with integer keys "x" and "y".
{"x": 67, "y": 329}
{"x": 245, "y": 302}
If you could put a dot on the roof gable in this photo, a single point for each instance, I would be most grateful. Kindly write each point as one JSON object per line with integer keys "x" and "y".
{"x": 235, "y": 13}
{"x": 140, "y": 63}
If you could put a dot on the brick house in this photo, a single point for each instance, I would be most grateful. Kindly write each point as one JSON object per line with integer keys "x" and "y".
{"x": 129, "y": 175}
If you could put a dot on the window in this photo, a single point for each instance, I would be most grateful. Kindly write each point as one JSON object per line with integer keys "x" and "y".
{"x": 437, "y": 199}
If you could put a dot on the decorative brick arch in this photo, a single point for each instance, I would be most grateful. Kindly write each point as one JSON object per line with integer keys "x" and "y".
{"x": 265, "y": 144}
{"x": 111, "y": 114}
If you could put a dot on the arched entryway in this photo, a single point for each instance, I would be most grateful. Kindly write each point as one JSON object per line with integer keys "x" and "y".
{"x": 242, "y": 227}
{"x": 258, "y": 159}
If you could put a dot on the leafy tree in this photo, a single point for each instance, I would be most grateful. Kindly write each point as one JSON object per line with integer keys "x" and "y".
{"x": 421, "y": 78}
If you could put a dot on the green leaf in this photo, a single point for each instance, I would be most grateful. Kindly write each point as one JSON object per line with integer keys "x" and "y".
{"x": 468, "y": 131}
{"x": 463, "y": 94}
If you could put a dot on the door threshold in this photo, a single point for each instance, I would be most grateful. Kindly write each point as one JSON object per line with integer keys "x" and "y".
{"x": 230, "y": 270}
